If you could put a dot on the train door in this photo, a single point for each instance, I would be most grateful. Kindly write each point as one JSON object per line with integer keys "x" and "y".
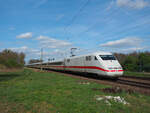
{"x": 95, "y": 63}
{"x": 64, "y": 64}
{"x": 82, "y": 64}
{"x": 67, "y": 64}
{"x": 88, "y": 63}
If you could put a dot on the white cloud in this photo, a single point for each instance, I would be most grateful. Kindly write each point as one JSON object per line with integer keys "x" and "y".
{"x": 21, "y": 49}
{"x": 25, "y": 35}
{"x": 24, "y": 49}
{"x": 110, "y": 5}
{"x": 123, "y": 43}
{"x": 29, "y": 52}
{"x": 135, "y": 4}
{"x": 52, "y": 43}
{"x": 132, "y": 49}
{"x": 32, "y": 53}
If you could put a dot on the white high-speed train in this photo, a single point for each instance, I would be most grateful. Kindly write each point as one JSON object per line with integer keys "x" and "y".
{"x": 100, "y": 63}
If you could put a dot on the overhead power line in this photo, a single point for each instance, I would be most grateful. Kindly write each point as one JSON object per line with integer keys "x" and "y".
{"x": 76, "y": 15}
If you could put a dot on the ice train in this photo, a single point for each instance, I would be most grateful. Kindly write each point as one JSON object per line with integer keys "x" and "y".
{"x": 100, "y": 63}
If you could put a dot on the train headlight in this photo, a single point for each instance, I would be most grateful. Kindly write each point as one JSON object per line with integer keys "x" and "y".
{"x": 110, "y": 68}
{"x": 119, "y": 67}
{"x": 115, "y": 68}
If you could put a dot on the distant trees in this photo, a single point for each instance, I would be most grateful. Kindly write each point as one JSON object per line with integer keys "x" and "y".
{"x": 11, "y": 59}
{"x": 34, "y": 61}
{"x": 135, "y": 61}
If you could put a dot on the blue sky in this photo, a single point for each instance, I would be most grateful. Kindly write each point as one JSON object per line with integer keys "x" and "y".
{"x": 89, "y": 25}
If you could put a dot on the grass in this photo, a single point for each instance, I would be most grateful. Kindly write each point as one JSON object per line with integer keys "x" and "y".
{"x": 42, "y": 92}
{"x": 138, "y": 74}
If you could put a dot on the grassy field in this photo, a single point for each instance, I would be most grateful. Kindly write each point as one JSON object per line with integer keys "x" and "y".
{"x": 138, "y": 74}
{"x": 42, "y": 92}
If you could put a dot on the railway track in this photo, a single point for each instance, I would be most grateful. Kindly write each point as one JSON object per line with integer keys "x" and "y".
{"x": 135, "y": 77}
{"x": 134, "y": 83}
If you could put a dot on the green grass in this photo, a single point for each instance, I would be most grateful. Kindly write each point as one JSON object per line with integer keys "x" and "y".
{"x": 138, "y": 74}
{"x": 35, "y": 92}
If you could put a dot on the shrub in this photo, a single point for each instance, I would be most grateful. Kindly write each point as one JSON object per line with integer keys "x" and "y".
{"x": 12, "y": 59}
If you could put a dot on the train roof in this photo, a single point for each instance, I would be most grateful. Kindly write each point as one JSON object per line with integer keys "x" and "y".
{"x": 34, "y": 63}
{"x": 92, "y": 54}
{"x": 46, "y": 62}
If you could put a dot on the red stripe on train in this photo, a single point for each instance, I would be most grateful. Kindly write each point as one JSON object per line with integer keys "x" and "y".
{"x": 88, "y": 67}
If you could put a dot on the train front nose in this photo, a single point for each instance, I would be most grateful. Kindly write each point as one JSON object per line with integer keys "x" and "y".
{"x": 114, "y": 72}
{"x": 111, "y": 65}
{"x": 113, "y": 68}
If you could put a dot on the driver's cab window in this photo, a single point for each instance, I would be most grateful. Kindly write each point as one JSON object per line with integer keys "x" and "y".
{"x": 95, "y": 58}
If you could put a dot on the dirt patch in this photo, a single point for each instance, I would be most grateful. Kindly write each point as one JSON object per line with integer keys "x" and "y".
{"x": 11, "y": 70}
{"x": 43, "y": 107}
{"x": 114, "y": 90}
{"x": 6, "y": 107}
{"x": 83, "y": 82}
{"x": 68, "y": 92}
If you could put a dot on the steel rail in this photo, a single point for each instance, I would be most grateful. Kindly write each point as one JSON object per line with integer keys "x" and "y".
{"x": 134, "y": 83}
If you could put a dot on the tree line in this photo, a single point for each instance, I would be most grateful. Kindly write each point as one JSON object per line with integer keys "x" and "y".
{"x": 136, "y": 61}
{"x": 11, "y": 59}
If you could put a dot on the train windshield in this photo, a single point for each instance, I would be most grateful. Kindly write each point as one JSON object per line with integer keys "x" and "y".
{"x": 107, "y": 57}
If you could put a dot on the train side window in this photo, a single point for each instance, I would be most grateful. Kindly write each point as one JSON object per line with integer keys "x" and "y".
{"x": 95, "y": 58}
{"x": 90, "y": 58}
{"x": 68, "y": 60}
{"x": 86, "y": 58}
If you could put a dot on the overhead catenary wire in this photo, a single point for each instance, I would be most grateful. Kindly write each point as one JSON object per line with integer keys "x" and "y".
{"x": 96, "y": 23}
{"x": 107, "y": 34}
{"x": 76, "y": 15}
{"x": 66, "y": 29}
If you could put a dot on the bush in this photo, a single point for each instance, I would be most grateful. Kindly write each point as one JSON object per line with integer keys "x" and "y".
{"x": 12, "y": 59}
{"x": 135, "y": 61}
